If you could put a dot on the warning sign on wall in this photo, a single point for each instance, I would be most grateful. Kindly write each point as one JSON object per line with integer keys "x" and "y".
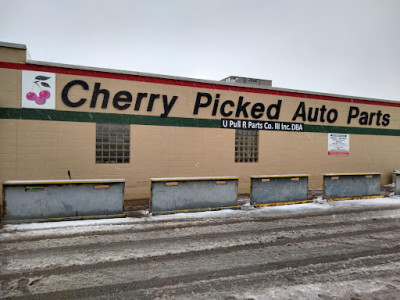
{"x": 338, "y": 144}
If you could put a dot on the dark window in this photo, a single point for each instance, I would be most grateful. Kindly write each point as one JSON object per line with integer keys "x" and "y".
{"x": 112, "y": 143}
{"x": 246, "y": 145}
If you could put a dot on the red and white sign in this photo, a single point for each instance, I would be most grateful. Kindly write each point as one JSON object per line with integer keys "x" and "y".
{"x": 338, "y": 144}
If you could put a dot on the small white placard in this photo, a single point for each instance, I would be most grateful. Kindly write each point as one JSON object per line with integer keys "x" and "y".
{"x": 338, "y": 144}
{"x": 38, "y": 90}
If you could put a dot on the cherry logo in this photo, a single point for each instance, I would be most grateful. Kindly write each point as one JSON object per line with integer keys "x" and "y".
{"x": 39, "y": 84}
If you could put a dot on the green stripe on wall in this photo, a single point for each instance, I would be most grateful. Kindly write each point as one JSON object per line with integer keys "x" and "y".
{"x": 72, "y": 116}
{"x": 95, "y": 117}
{"x": 352, "y": 130}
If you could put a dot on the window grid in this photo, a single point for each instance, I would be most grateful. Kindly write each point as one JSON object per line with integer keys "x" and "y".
{"x": 112, "y": 143}
{"x": 246, "y": 145}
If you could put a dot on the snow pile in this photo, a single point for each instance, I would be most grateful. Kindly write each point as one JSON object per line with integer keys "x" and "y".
{"x": 247, "y": 210}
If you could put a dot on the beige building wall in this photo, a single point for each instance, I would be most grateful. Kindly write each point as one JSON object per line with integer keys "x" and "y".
{"x": 48, "y": 148}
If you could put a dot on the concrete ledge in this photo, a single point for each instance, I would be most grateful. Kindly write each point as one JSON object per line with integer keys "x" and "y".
{"x": 57, "y": 182}
{"x": 213, "y": 178}
{"x": 91, "y": 217}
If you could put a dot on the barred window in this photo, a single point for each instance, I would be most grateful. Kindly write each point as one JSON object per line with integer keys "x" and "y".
{"x": 112, "y": 143}
{"x": 246, "y": 145}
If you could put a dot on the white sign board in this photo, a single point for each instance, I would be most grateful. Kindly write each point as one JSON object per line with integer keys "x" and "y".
{"x": 38, "y": 90}
{"x": 338, "y": 144}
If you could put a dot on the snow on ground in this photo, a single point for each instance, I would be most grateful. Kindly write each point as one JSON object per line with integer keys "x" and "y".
{"x": 327, "y": 250}
{"x": 246, "y": 211}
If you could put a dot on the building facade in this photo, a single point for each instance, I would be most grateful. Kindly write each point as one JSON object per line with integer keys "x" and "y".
{"x": 58, "y": 119}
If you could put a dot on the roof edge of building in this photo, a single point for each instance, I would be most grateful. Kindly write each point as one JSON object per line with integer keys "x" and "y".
{"x": 206, "y": 81}
{"x": 179, "y": 78}
{"x": 13, "y": 45}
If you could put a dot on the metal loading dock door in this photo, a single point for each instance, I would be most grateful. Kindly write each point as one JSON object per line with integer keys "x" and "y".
{"x": 46, "y": 200}
{"x": 169, "y": 195}
{"x": 396, "y": 180}
{"x": 267, "y": 190}
{"x": 342, "y": 186}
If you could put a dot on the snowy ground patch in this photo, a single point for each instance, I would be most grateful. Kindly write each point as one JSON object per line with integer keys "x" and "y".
{"x": 247, "y": 210}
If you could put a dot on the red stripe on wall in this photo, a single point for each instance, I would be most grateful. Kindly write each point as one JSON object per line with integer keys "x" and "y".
{"x": 187, "y": 83}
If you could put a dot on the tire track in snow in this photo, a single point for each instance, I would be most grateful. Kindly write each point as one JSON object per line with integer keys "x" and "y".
{"x": 184, "y": 253}
{"x": 310, "y": 249}
{"x": 21, "y": 248}
{"x": 280, "y": 273}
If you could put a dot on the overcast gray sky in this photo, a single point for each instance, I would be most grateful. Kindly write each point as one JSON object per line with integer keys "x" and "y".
{"x": 349, "y": 47}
